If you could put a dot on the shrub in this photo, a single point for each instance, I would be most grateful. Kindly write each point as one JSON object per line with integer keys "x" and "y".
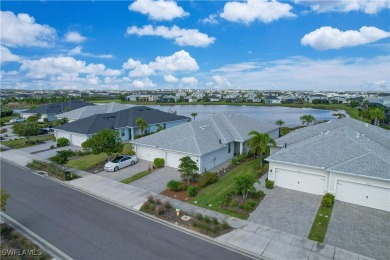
{"x": 207, "y": 179}
{"x": 233, "y": 203}
{"x": 250, "y": 204}
{"x": 215, "y": 221}
{"x": 174, "y": 185}
{"x": 207, "y": 219}
{"x": 167, "y": 205}
{"x": 62, "y": 141}
{"x": 150, "y": 199}
{"x": 3, "y": 130}
{"x": 257, "y": 194}
{"x": 159, "y": 162}
{"x": 225, "y": 225}
{"x": 146, "y": 206}
{"x": 191, "y": 191}
{"x": 184, "y": 186}
{"x": 158, "y": 201}
{"x": 269, "y": 184}
{"x": 52, "y": 146}
{"x": 327, "y": 200}
{"x": 199, "y": 216}
{"x": 234, "y": 160}
{"x": 160, "y": 210}
{"x": 228, "y": 197}
{"x": 194, "y": 223}
{"x": 45, "y": 120}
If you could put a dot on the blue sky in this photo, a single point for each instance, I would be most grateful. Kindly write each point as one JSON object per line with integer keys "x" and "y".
{"x": 148, "y": 44}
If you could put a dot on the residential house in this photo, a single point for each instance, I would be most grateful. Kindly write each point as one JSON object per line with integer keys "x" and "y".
{"x": 344, "y": 157}
{"x": 272, "y": 100}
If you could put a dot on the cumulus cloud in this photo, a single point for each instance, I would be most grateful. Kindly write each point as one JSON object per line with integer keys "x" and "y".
{"x": 74, "y": 37}
{"x": 131, "y": 64}
{"x": 211, "y": 19}
{"x": 170, "y": 78}
{"x": 64, "y": 68}
{"x": 21, "y": 30}
{"x": 78, "y": 50}
{"x": 189, "y": 82}
{"x": 179, "y": 61}
{"x": 221, "y": 82}
{"x": 367, "y": 6}
{"x": 158, "y": 9}
{"x": 326, "y": 38}
{"x": 7, "y": 56}
{"x": 252, "y": 10}
{"x": 144, "y": 83}
{"x": 182, "y": 37}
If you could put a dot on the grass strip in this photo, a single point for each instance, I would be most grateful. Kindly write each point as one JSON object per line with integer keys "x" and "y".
{"x": 135, "y": 177}
{"x": 320, "y": 225}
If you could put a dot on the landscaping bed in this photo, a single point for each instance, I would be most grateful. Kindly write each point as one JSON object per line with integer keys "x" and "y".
{"x": 24, "y": 142}
{"x": 51, "y": 169}
{"x": 199, "y": 223}
{"x": 13, "y": 244}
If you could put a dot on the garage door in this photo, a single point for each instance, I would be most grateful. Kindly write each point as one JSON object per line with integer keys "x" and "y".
{"x": 78, "y": 139}
{"x": 173, "y": 159}
{"x": 148, "y": 154}
{"x": 299, "y": 181}
{"x": 363, "y": 194}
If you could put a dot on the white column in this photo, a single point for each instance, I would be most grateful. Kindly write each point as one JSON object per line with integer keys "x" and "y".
{"x": 241, "y": 148}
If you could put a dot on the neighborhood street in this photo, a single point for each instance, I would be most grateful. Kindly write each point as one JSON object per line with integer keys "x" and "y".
{"x": 86, "y": 228}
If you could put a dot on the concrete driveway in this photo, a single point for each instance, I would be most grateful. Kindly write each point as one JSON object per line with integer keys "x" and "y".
{"x": 157, "y": 181}
{"x": 287, "y": 210}
{"x": 127, "y": 172}
{"x": 360, "y": 229}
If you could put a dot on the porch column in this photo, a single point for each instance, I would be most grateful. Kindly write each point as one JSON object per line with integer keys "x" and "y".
{"x": 132, "y": 133}
{"x": 241, "y": 148}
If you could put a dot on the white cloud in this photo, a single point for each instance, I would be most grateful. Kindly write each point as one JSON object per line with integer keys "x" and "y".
{"x": 78, "y": 50}
{"x": 182, "y": 37}
{"x": 221, "y": 82}
{"x": 144, "y": 83}
{"x": 131, "y": 64}
{"x": 170, "y": 78}
{"x": 262, "y": 10}
{"x": 158, "y": 10}
{"x": 367, "y": 6}
{"x": 74, "y": 37}
{"x": 21, "y": 30}
{"x": 326, "y": 38}
{"x": 179, "y": 61}
{"x": 7, "y": 56}
{"x": 211, "y": 19}
{"x": 189, "y": 82}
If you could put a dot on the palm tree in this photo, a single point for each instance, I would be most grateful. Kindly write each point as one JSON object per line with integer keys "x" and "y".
{"x": 307, "y": 119}
{"x": 259, "y": 144}
{"x": 279, "y": 122}
{"x": 377, "y": 114}
{"x": 194, "y": 115}
{"x": 141, "y": 124}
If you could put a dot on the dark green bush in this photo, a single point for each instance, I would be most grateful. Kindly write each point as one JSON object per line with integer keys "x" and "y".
{"x": 225, "y": 225}
{"x": 199, "y": 216}
{"x": 159, "y": 162}
{"x": 233, "y": 203}
{"x": 327, "y": 200}
{"x": 215, "y": 221}
{"x": 191, "y": 191}
{"x": 257, "y": 194}
{"x": 174, "y": 185}
{"x": 249, "y": 205}
{"x": 269, "y": 184}
{"x": 207, "y": 179}
{"x": 234, "y": 160}
{"x": 62, "y": 141}
{"x": 207, "y": 219}
{"x": 228, "y": 196}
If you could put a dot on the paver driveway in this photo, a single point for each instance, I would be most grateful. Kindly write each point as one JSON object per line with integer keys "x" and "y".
{"x": 127, "y": 172}
{"x": 287, "y": 210}
{"x": 157, "y": 181}
{"x": 360, "y": 229}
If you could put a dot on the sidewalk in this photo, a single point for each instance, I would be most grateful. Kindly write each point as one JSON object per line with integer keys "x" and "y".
{"x": 266, "y": 243}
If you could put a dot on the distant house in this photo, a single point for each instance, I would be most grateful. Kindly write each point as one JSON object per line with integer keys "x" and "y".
{"x": 143, "y": 98}
{"x": 209, "y": 141}
{"x": 345, "y": 157}
{"x": 215, "y": 98}
{"x": 79, "y": 131}
{"x": 50, "y": 111}
{"x": 291, "y": 100}
{"x": 318, "y": 98}
{"x": 92, "y": 110}
{"x": 233, "y": 97}
{"x": 272, "y": 100}
{"x": 189, "y": 99}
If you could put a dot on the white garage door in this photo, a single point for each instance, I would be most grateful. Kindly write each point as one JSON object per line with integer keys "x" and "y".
{"x": 299, "y": 181}
{"x": 363, "y": 194}
{"x": 78, "y": 139}
{"x": 173, "y": 159}
{"x": 148, "y": 153}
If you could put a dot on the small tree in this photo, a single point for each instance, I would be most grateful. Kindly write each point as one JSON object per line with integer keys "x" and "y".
{"x": 4, "y": 198}
{"x": 279, "y": 122}
{"x": 194, "y": 115}
{"x": 245, "y": 184}
{"x": 106, "y": 141}
{"x": 188, "y": 168}
{"x": 141, "y": 124}
{"x": 307, "y": 119}
{"x": 259, "y": 144}
{"x": 61, "y": 158}
{"x": 377, "y": 114}
{"x": 26, "y": 129}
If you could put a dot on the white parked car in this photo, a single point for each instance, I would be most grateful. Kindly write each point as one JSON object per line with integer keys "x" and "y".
{"x": 120, "y": 162}
{"x": 17, "y": 120}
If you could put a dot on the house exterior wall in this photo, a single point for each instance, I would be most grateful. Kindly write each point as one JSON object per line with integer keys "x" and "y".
{"x": 124, "y": 133}
{"x": 213, "y": 159}
{"x": 274, "y": 134}
{"x": 74, "y": 138}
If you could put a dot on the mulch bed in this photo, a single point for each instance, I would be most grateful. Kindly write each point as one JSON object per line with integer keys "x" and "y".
{"x": 98, "y": 168}
{"x": 179, "y": 195}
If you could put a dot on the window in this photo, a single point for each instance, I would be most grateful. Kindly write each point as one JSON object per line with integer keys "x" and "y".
{"x": 122, "y": 132}
{"x": 229, "y": 150}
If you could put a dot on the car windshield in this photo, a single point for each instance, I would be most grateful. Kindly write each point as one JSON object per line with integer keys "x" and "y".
{"x": 117, "y": 159}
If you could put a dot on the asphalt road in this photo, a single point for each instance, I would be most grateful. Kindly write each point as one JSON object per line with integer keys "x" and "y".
{"x": 86, "y": 228}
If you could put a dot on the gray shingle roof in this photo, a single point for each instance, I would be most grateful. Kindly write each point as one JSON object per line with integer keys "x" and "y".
{"x": 122, "y": 118}
{"x": 57, "y": 108}
{"x": 343, "y": 145}
{"x": 208, "y": 134}
{"x": 93, "y": 110}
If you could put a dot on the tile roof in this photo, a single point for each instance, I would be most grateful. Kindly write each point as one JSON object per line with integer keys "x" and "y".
{"x": 208, "y": 134}
{"x": 122, "y": 118}
{"x": 57, "y": 108}
{"x": 342, "y": 145}
{"x": 93, "y": 110}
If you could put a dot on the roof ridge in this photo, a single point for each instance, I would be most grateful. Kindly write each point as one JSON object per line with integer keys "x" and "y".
{"x": 242, "y": 139}
{"x": 193, "y": 137}
{"x": 215, "y": 124}
{"x": 351, "y": 160}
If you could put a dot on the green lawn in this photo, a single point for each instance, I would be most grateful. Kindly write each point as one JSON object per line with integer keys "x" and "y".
{"x": 320, "y": 225}
{"x": 21, "y": 143}
{"x": 214, "y": 193}
{"x": 135, "y": 177}
{"x": 7, "y": 118}
{"x": 89, "y": 161}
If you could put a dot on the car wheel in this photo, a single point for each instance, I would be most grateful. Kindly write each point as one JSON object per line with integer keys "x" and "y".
{"x": 132, "y": 163}
{"x": 116, "y": 169}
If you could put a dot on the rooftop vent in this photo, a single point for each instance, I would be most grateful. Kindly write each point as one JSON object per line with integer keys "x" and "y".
{"x": 220, "y": 141}
{"x": 285, "y": 145}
